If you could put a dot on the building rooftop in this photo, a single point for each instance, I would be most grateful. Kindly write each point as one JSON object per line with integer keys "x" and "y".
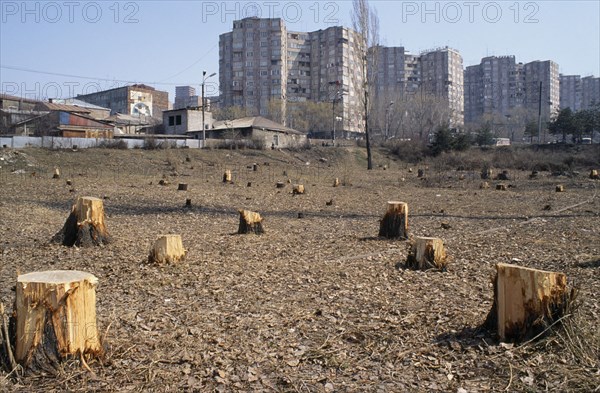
{"x": 258, "y": 122}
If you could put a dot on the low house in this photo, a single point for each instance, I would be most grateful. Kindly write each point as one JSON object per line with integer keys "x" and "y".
{"x": 256, "y": 131}
{"x": 15, "y": 110}
{"x": 66, "y": 121}
{"x": 182, "y": 121}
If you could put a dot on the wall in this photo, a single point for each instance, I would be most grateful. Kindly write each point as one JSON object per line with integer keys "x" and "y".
{"x": 19, "y": 142}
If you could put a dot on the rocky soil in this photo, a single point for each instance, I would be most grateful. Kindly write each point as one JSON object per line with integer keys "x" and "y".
{"x": 315, "y": 304}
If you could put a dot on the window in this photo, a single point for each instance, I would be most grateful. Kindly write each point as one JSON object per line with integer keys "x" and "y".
{"x": 178, "y": 120}
{"x": 171, "y": 120}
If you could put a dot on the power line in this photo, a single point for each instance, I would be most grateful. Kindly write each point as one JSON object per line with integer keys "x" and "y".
{"x": 23, "y": 69}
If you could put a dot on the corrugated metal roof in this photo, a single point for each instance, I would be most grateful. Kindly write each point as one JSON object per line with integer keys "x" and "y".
{"x": 254, "y": 122}
{"x": 76, "y": 102}
{"x": 49, "y": 106}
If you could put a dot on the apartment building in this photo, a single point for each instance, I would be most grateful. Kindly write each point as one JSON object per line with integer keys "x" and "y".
{"x": 570, "y": 92}
{"x": 263, "y": 67}
{"x": 500, "y": 86}
{"x": 590, "y": 91}
{"x": 136, "y": 100}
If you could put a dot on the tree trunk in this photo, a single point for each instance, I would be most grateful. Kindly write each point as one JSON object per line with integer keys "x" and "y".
{"x": 336, "y": 182}
{"x": 560, "y": 188}
{"x": 527, "y": 301}
{"x": 250, "y": 222}
{"x": 55, "y": 318}
{"x": 594, "y": 174}
{"x": 395, "y": 222}
{"x": 85, "y": 225}
{"x": 427, "y": 253}
{"x": 167, "y": 249}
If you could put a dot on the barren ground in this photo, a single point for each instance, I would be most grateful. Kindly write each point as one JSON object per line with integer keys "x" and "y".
{"x": 315, "y": 304}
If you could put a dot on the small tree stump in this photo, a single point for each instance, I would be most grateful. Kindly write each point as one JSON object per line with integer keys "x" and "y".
{"x": 594, "y": 174}
{"x": 167, "y": 249}
{"x": 503, "y": 176}
{"x": 484, "y": 185}
{"x": 255, "y": 167}
{"x": 188, "y": 202}
{"x": 527, "y": 301}
{"x": 249, "y": 184}
{"x": 427, "y": 253}
{"x": 227, "y": 176}
{"x": 182, "y": 187}
{"x": 56, "y": 173}
{"x": 336, "y": 182}
{"x": 501, "y": 187}
{"x": 486, "y": 173}
{"x": 420, "y": 173}
{"x": 55, "y": 318}
{"x": 163, "y": 182}
{"x": 280, "y": 184}
{"x": 298, "y": 189}
{"x": 394, "y": 224}
{"x": 85, "y": 225}
{"x": 560, "y": 188}
{"x": 250, "y": 222}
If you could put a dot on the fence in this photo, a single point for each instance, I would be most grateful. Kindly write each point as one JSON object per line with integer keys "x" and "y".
{"x": 54, "y": 142}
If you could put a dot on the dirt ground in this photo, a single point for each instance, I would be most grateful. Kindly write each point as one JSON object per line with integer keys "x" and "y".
{"x": 315, "y": 304}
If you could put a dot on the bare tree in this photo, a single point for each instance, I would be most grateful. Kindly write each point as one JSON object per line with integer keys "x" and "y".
{"x": 365, "y": 23}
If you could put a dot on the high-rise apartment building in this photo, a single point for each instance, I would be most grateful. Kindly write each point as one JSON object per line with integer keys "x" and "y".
{"x": 442, "y": 76}
{"x": 570, "y": 92}
{"x": 438, "y": 73}
{"x": 590, "y": 91}
{"x": 185, "y": 97}
{"x": 263, "y": 67}
{"x": 499, "y": 85}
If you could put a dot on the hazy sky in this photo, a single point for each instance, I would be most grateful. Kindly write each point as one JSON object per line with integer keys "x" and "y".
{"x": 165, "y": 44}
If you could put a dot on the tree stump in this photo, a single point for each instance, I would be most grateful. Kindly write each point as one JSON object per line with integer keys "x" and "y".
{"x": 484, "y": 185}
{"x": 420, "y": 173}
{"x": 280, "y": 184}
{"x": 250, "y": 222}
{"x": 560, "y": 188}
{"x": 182, "y": 187}
{"x": 56, "y": 173}
{"x": 227, "y": 176}
{"x": 394, "y": 224}
{"x": 427, "y": 253}
{"x": 503, "y": 176}
{"x": 188, "y": 202}
{"x": 501, "y": 187}
{"x": 486, "y": 173}
{"x": 594, "y": 174}
{"x": 55, "y": 318}
{"x": 255, "y": 167}
{"x": 336, "y": 182}
{"x": 527, "y": 301}
{"x": 85, "y": 225}
{"x": 167, "y": 249}
{"x": 298, "y": 189}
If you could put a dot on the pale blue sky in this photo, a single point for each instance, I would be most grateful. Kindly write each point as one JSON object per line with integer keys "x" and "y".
{"x": 165, "y": 44}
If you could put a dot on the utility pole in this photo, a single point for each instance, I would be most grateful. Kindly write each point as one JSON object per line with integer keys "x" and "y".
{"x": 204, "y": 78}
{"x": 540, "y": 114}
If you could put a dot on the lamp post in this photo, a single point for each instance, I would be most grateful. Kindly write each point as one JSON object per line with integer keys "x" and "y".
{"x": 204, "y": 78}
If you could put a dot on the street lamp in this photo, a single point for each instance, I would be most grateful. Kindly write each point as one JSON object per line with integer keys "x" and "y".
{"x": 387, "y": 120}
{"x": 204, "y": 78}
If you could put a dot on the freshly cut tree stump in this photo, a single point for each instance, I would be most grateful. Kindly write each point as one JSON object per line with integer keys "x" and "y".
{"x": 486, "y": 173}
{"x": 560, "y": 188}
{"x": 55, "y": 318}
{"x": 250, "y": 222}
{"x": 85, "y": 225}
{"x": 182, "y": 187}
{"x": 394, "y": 224}
{"x": 336, "y": 182}
{"x": 227, "y": 176}
{"x": 484, "y": 185}
{"x": 188, "y": 202}
{"x": 167, "y": 249}
{"x": 527, "y": 301}
{"x": 501, "y": 187}
{"x": 255, "y": 167}
{"x": 56, "y": 173}
{"x": 427, "y": 253}
{"x": 420, "y": 173}
{"x": 594, "y": 174}
{"x": 280, "y": 184}
{"x": 298, "y": 189}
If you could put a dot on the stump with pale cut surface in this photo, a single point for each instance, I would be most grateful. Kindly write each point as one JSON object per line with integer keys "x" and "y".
{"x": 527, "y": 301}
{"x": 594, "y": 174}
{"x": 250, "y": 222}
{"x": 394, "y": 224}
{"x": 55, "y": 318}
{"x": 298, "y": 189}
{"x": 167, "y": 249}
{"x": 227, "y": 176}
{"x": 85, "y": 226}
{"x": 427, "y": 253}
{"x": 336, "y": 182}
